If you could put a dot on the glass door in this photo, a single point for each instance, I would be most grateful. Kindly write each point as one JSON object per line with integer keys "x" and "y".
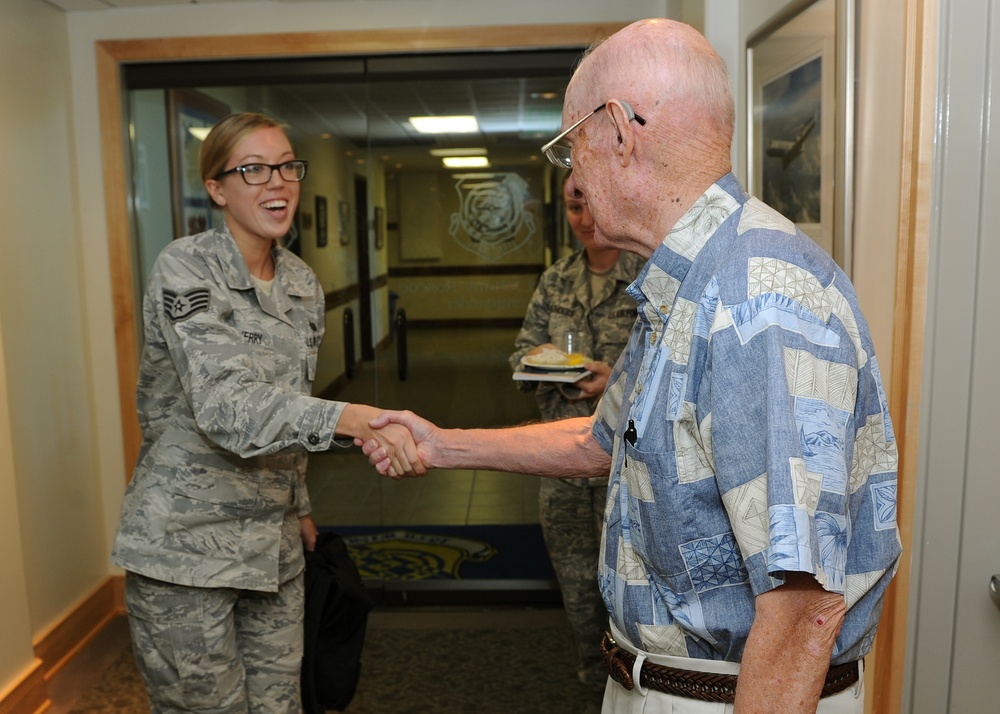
{"x": 427, "y": 266}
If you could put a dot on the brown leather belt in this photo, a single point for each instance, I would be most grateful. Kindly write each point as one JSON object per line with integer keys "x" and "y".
{"x": 706, "y": 686}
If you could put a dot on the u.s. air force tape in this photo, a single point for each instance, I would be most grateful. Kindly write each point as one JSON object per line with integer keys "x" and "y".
{"x": 180, "y": 306}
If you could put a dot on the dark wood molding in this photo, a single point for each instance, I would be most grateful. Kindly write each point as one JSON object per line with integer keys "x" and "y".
{"x": 441, "y": 271}
{"x": 504, "y": 322}
{"x": 339, "y": 298}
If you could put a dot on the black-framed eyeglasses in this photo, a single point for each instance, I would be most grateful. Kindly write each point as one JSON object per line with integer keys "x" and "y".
{"x": 256, "y": 174}
{"x": 558, "y": 151}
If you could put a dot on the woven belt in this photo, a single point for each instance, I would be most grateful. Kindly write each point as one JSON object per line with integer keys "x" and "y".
{"x": 706, "y": 686}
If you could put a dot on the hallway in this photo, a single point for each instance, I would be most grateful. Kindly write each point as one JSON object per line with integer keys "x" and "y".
{"x": 456, "y": 377}
{"x": 477, "y": 653}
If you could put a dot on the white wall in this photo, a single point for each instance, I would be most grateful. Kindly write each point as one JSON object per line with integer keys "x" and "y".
{"x": 15, "y": 630}
{"x": 49, "y": 467}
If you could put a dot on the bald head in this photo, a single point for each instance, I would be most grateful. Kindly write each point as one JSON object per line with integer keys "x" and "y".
{"x": 668, "y": 71}
{"x": 663, "y": 136}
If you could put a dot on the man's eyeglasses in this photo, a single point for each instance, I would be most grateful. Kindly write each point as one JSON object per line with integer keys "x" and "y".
{"x": 255, "y": 174}
{"x": 558, "y": 151}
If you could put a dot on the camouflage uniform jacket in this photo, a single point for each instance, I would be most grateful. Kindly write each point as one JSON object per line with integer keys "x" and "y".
{"x": 562, "y": 302}
{"x": 223, "y": 402}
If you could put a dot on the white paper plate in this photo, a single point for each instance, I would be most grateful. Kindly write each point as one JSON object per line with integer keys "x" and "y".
{"x": 531, "y": 361}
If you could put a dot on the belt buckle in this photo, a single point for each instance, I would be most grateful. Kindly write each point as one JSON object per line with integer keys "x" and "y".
{"x": 617, "y": 669}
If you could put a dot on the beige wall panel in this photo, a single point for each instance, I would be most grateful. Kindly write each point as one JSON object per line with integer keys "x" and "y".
{"x": 53, "y": 468}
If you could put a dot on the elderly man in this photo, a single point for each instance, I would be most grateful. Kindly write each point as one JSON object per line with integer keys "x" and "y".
{"x": 750, "y": 525}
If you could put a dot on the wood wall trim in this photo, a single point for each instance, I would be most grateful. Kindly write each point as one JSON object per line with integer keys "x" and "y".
{"x": 65, "y": 639}
{"x": 465, "y": 323}
{"x": 908, "y": 338}
{"x": 449, "y": 271}
{"x": 338, "y": 298}
{"x": 395, "y": 41}
{"x": 111, "y": 54}
{"x": 28, "y": 695}
{"x": 119, "y": 250}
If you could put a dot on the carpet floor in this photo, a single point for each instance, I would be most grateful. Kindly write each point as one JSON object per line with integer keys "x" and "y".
{"x": 488, "y": 661}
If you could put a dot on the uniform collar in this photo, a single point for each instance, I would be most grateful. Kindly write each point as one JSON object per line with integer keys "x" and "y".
{"x": 288, "y": 276}
{"x": 288, "y": 272}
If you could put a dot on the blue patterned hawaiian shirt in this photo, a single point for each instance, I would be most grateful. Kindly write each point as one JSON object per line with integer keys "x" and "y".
{"x": 750, "y": 436}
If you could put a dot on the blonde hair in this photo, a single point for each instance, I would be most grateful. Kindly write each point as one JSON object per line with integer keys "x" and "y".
{"x": 225, "y": 136}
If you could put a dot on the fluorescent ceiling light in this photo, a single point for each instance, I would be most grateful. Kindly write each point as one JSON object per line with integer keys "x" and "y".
{"x": 479, "y": 151}
{"x": 465, "y": 162}
{"x": 445, "y": 125}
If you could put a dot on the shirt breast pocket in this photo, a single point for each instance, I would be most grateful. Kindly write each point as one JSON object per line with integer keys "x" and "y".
{"x": 255, "y": 352}
{"x": 263, "y": 363}
{"x": 638, "y": 495}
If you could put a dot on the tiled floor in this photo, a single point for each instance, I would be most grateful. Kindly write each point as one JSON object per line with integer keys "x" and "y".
{"x": 456, "y": 378}
{"x": 345, "y": 491}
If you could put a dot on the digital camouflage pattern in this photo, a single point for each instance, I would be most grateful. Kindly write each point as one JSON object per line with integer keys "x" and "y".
{"x": 571, "y": 511}
{"x": 217, "y": 649}
{"x": 571, "y": 519}
{"x": 223, "y": 402}
{"x": 561, "y": 303}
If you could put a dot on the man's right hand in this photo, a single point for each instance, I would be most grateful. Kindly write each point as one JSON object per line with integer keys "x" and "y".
{"x": 423, "y": 432}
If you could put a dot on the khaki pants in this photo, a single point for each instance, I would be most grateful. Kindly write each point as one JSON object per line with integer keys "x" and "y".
{"x": 217, "y": 650}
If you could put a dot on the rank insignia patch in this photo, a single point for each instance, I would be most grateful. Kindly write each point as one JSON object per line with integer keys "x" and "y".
{"x": 180, "y": 306}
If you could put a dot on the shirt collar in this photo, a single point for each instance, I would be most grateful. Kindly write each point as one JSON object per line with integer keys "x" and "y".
{"x": 666, "y": 269}
{"x": 233, "y": 264}
{"x": 292, "y": 280}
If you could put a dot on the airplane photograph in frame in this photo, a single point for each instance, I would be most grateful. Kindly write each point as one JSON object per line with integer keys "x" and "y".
{"x": 797, "y": 147}
{"x": 791, "y": 135}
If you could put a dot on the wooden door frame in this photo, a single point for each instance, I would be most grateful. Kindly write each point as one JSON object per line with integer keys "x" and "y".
{"x": 912, "y": 245}
{"x": 914, "y": 223}
{"x": 111, "y": 55}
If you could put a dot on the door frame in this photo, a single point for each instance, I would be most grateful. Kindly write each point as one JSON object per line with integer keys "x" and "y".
{"x": 912, "y": 236}
{"x": 111, "y": 55}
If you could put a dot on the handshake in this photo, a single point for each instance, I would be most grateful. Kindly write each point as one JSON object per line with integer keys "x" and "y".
{"x": 401, "y": 444}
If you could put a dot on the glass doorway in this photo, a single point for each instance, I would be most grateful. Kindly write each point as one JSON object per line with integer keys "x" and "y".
{"x": 427, "y": 269}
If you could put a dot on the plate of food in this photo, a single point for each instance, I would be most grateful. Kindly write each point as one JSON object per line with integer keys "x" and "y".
{"x": 555, "y": 361}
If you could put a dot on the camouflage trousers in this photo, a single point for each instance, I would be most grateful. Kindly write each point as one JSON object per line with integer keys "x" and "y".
{"x": 572, "y": 518}
{"x": 217, "y": 650}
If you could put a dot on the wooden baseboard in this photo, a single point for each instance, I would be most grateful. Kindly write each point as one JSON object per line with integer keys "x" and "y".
{"x": 29, "y": 695}
{"x": 61, "y": 643}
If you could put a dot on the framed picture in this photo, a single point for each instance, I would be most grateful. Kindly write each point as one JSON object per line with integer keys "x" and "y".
{"x": 343, "y": 221}
{"x": 321, "y": 222}
{"x": 190, "y": 115}
{"x": 379, "y": 226}
{"x": 800, "y": 120}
